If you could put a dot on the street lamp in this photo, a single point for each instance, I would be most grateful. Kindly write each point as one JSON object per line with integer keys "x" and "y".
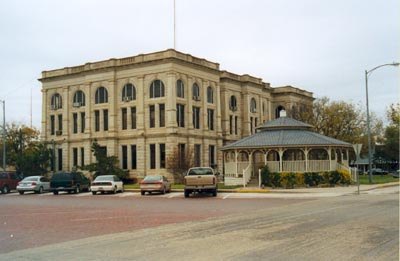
{"x": 4, "y": 134}
{"x": 368, "y": 120}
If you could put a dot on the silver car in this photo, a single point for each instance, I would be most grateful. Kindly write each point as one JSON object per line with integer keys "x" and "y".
{"x": 38, "y": 184}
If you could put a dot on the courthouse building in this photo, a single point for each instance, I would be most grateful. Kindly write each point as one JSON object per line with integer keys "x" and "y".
{"x": 144, "y": 108}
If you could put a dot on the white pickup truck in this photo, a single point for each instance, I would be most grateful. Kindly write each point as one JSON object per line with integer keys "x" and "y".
{"x": 201, "y": 179}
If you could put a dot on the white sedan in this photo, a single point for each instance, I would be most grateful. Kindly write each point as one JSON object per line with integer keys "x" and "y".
{"x": 107, "y": 183}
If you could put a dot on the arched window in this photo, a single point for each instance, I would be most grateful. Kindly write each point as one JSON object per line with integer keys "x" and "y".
{"x": 101, "y": 95}
{"x": 128, "y": 92}
{"x": 233, "y": 103}
{"x": 56, "y": 101}
{"x": 278, "y": 111}
{"x": 253, "y": 105}
{"x": 196, "y": 92}
{"x": 156, "y": 89}
{"x": 210, "y": 94}
{"x": 180, "y": 89}
{"x": 79, "y": 99}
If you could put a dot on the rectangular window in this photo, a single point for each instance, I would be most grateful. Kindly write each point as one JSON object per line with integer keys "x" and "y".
{"x": 180, "y": 115}
{"x": 53, "y": 159}
{"x": 133, "y": 117}
{"x": 75, "y": 156}
{"x": 60, "y": 125}
{"x": 251, "y": 125}
{"x": 105, "y": 119}
{"x": 52, "y": 125}
{"x": 162, "y": 156}
{"x": 231, "y": 124}
{"x": 211, "y": 155}
{"x": 97, "y": 120}
{"x": 210, "y": 119}
{"x": 152, "y": 116}
{"x": 124, "y": 118}
{"x": 124, "y": 157}
{"x": 75, "y": 122}
{"x": 197, "y": 155}
{"x": 182, "y": 154}
{"x": 103, "y": 150}
{"x": 255, "y": 122}
{"x": 236, "y": 125}
{"x": 161, "y": 108}
{"x": 196, "y": 117}
{"x": 82, "y": 122}
{"x": 152, "y": 156}
{"x": 133, "y": 157}
{"x": 60, "y": 160}
{"x": 82, "y": 157}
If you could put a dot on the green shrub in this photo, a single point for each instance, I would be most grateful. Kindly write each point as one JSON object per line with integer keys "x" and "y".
{"x": 299, "y": 179}
{"x": 288, "y": 180}
{"x": 334, "y": 177}
{"x": 265, "y": 176}
{"x": 275, "y": 179}
{"x": 345, "y": 177}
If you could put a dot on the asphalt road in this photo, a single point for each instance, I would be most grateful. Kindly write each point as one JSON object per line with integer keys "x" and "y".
{"x": 364, "y": 227}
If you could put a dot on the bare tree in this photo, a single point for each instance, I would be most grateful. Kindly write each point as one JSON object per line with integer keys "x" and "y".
{"x": 179, "y": 162}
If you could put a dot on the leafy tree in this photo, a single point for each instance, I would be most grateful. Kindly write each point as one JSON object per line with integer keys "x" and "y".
{"x": 104, "y": 165}
{"x": 34, "y": 161}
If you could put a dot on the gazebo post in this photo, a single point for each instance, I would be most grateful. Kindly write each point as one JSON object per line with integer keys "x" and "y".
{"x": 330, "y": 158}
{"x": 280, "y": 151}
{"x": 236, "y": 164}
{"x": 306, "y": 155}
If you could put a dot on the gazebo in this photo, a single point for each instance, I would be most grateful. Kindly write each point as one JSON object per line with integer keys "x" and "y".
{"x": 284, "y": 145}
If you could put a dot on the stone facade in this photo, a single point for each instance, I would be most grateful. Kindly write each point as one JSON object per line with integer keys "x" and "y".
{"x": 131, "y": 107}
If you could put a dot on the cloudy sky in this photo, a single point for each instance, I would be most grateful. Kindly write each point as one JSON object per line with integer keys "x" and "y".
{"x": 322, "y": 46}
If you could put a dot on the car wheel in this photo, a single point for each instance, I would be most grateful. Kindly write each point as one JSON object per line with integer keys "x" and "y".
{"x": 55, "y": 192}
{"x": 142, "y": 192}
{"x": 186, "y": 194}
{"x": 40, "y": 190}
{"x": 114, "y": 190}
{"x": 21, "y": 192}
{"x": 214, "y": 193}
{"x": 94, "y": 192}
{"x": 163, "y": 191}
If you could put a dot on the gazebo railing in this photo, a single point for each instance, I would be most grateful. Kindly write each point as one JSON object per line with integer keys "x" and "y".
{"x": 318, "y": 165}
{"x": 294, "y": 166}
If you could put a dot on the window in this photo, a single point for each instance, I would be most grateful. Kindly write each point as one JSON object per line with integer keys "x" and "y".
{"x": 82, "y": 122}
{"x": 52, "y": 125}
{"x": 152, "y": 156}
{"x": 103, "y": 151}
{"x": 60, "y": 166}
{"x": 128, "y": 92}
{"x": 133, "y": 117}
{"x": 124, "y": 119}
{"x": 196, "y": 92}
{"x": 251, "y": 125}
{"x": 210, "y": 95}
{"x": 162, "y": 156}
{"x": 152, "y": 116}
{"x": 180, "y": 89}
{"x": 75, "y": 157}
{"x": 75, "y": 123}
{"x": 161, "y": 111}
{"x": 253, "y": 105}
{"x": 236, "y": 125}
{"x": 197, "y": 155}
{"x": 196, "y": 117}
{"x": 97, "y": 120}
{"x": 180, "y": 115}
{"x": 182, "y": 154}
{"x": 105, "y": 120}
{"x": 60, "y": 125}
{"x": 231, "y": 124}
{"x": 133, "y": 157}
{"x": 56, "y": 102}
{"x": 79, "y": 99}
{"x": 233, "y": 103}
{"x": 101, "y": 95}
{"x": 82, "y": 157}
{"x": 156, "y": 89}
{"x": 211, "y": 155}
{"x": 210, "y": 119}
{"x": 124, "y": 157}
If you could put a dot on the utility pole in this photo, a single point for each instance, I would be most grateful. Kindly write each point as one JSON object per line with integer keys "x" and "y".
{"x": 174, "y": 26}
{"x": 4, "y": 134}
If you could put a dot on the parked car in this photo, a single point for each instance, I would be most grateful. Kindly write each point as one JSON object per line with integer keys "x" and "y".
{"x": 395, "y": 174}
{"x": 201, "y": 180}
{"x": 37, "y": 184}
{"x": 70, "y": 182}
{"x": 107, "y": 183}
{"x": 378, "y": 171}
{"x": 8, "y": 181}
{"x": 155, "y": 183}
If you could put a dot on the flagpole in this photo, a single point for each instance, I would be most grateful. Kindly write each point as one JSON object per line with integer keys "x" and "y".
{"x": 174, "y": 26}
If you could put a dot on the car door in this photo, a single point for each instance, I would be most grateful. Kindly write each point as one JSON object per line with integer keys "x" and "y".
{"x": 118, "y": 182}
{"x": 14, "y": 180}
{"x": 45, "y": 183}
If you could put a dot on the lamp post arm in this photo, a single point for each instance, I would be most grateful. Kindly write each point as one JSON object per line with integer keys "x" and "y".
{"x": 367, "y": 72}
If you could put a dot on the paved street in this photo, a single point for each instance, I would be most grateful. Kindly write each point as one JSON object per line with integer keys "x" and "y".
{"x": 351, "y": 227}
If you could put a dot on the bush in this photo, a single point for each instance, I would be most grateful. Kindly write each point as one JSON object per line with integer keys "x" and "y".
{"x": 345, "y": 177}
{"x": 312, "y": 178}
{"x": 275, "y": 179}
{"x": 288, "y": 180}
{"x": 299, "y": 179}
{"x": 265, "y": 176}
{"x": 334, "y": 177}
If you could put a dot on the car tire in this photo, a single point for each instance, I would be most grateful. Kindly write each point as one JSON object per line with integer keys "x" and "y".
{"x": 142, "y": 192}
{"x": 55, "y": 192}
{"x": 40, "y": 190}
{"x": 186, "y": 194}
{"x": 21, "y": 192}
{"x": 214, "y": 193}
{"x": 94, "y": 192}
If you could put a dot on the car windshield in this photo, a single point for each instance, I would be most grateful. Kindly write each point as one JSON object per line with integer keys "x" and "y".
{"x": 104, "y": 178}
{"x": 152, "y": 178}
{"x": 61, "y": 176}
{"x": 30, "y": 179}
{"x": 201, "y": 171}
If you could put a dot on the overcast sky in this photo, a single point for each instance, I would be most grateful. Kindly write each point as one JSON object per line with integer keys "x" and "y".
{"x": 322, "y": 46}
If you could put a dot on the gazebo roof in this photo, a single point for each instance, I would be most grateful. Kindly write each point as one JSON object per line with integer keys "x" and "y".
{"x": 285, "y": 132}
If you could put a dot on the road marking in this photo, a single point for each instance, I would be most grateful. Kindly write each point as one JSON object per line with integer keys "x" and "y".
{"x": 225, "y": 197}
{"x": 99, "y": 218}
{"x": 173, "y": 195}
{"x": 127, "y": 194}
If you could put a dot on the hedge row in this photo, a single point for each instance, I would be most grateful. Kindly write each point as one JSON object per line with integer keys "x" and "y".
{"x": 309, "y": 179}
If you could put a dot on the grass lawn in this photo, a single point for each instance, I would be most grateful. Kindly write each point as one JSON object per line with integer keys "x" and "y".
{"x": 179, "y": 186}
{"x": 377, "y": 179}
